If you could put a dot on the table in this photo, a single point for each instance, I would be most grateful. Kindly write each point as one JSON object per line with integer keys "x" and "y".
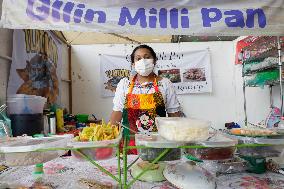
{"x": 66, "y": 172}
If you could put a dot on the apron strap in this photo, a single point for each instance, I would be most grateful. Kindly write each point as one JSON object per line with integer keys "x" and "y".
{"x": 131, "y": 86}
{"x": 156, "y": 85}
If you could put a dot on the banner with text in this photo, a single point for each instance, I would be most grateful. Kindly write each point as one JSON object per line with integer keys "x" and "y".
{"x": 167, "y": 17}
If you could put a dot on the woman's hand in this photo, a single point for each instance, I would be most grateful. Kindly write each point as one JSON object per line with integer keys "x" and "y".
{"x": 115, "y": 117}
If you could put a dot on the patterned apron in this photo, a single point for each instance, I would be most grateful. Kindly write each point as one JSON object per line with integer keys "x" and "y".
{"x": 140, "y": 111}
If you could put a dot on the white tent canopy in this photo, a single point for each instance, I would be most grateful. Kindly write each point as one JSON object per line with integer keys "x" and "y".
{"x": 151, "y": 17}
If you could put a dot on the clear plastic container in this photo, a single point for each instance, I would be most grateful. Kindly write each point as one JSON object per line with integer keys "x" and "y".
{"x": 272, "y": 140}
{"x": 25, "y": 104}
{"x": 217, "y": 139}
{"x": 183, "y": 129}
{"x": 22, "y": 151}
{"x": 214, "y": 153}
{"x": 154, "y": 140}
{"x": 275, "y": 140}
{"x": 219, "y": 146}
{"x": 158, "y": 145}
{"x": 96, "y": 150}
{"x": 150, "y": 154}
{"x": 262, "y": 151}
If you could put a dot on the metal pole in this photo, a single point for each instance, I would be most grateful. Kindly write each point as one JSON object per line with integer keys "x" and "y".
{"x": 119, "y": 166}
{"x": 271, "y": 98}
{"x": 124, "y": 151}
{"x": 280, "y": 72}
{"x": 244, "y": 90}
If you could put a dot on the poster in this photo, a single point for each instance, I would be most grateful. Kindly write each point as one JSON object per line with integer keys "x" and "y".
{"x": 167, "y": 17}
{"x": 36, "y": 65}
{"x": 190, "y": 72}
{"x": 113, "y": 69}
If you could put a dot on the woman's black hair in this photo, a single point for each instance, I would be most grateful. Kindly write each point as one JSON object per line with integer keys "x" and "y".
{"x": 143, "y": 47}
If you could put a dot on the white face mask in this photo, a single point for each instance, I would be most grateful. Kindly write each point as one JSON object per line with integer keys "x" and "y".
{"x": 144, "y": 66}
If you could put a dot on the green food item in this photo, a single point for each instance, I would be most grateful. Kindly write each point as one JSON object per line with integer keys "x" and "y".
{"x": 153, "y": 175}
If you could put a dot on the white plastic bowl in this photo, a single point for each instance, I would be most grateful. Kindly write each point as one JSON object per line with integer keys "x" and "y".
{"x": 183, "y": 129}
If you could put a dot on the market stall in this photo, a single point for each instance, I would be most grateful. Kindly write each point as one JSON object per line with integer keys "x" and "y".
{"x": 185, "y": 152}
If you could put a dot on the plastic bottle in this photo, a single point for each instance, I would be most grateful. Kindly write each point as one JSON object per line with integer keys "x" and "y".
{"x": 59, "y": 120}
{"x": 38, "y": 172}
{"x": 52, "y": 123}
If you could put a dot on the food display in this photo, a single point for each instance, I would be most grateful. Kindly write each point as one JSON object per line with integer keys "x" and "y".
{"x": 23, "y": 151}
{"x": 182, "y": 129}
{"x": 150, "y": 154}
{"x": 154, "y": 140}
{"x": 98, "y": 132}
{"x": 217, "y": 153}
{"x": 219, "y": 147}
{"x": 158, "y": 144}
{"x": 253, "y": 132}
{"x": 95, "y": 136}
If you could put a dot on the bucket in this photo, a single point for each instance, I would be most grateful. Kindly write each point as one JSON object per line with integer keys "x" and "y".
{"x": 29, "y": 124}
{"x": 25, "y": 104}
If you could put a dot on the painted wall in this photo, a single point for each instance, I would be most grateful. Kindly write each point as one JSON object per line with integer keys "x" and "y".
{"x": 65, "y": 77}
{"x": 223, "y": 105}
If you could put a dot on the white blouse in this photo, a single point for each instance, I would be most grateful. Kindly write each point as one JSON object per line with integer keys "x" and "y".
{"x": 165, "y": 87}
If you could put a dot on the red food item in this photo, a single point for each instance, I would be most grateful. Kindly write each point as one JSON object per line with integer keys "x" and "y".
{"x": 216, "y": 153}
{"x": 103, "y": 153}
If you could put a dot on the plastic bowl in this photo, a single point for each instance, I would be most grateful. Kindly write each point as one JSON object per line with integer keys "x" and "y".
{"x": 150, "y": 154}
{"x": 95, "y": 153}
{"x": 25, "y": 104}
{"x": 183, "y": 129}
{"x": 96, "y": 150}
{"x": 21, "y": 151}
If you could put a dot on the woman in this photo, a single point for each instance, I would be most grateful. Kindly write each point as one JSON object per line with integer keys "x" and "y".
{"x": 144, "y": 96}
